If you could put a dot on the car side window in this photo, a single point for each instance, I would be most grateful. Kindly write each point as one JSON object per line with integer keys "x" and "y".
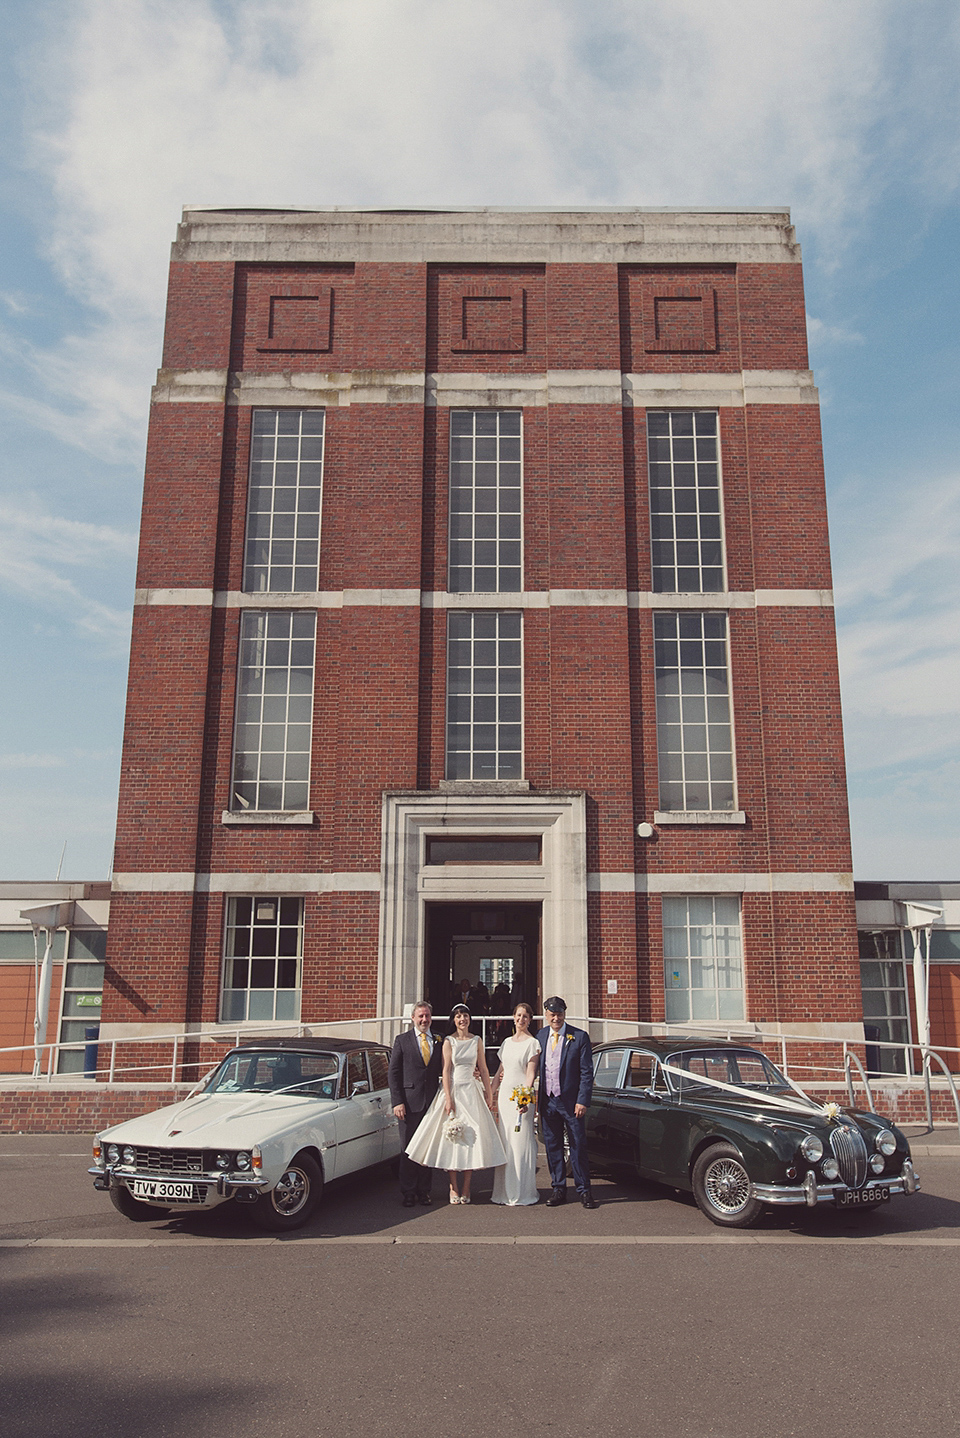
{"x": 639, "y": 1070}
{"x": 356, "y": 1071}
{"x": 607, "y": 1072}
{"x": 379, "y": 1064}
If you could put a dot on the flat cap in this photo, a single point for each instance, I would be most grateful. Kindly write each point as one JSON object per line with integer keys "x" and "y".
{"x": 554, "y": 1005}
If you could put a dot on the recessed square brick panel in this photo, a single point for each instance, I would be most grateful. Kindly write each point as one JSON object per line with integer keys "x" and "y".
{"x": 679, "y": 319}
{"x": 298, "y": 321}
{"x": 487, "y": 319}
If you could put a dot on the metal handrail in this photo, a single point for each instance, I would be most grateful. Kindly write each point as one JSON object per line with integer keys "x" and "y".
{"x": 849, "y": 1060}
{"x": 929, "y": 1054}
{"x": 386, "y": 1026}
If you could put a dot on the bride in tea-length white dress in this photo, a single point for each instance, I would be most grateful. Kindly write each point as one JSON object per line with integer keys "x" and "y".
{"x": 478, "y": 1144}
{"x": 515, "y": 1184}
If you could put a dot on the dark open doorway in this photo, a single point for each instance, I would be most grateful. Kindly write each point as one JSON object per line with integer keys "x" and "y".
{"x": 496, "y": 946}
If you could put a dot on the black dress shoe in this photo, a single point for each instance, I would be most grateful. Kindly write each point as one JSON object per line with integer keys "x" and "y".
{"x": 588, "y": 1200}
{"x": 425, "y": 1199}
{"x": 409, "y": 1200}
{"x": 558, "y": 1196}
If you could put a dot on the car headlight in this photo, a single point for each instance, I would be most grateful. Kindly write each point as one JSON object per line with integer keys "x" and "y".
{"x": 886, "y": 1142}
{"x": 830, "y": 1169}
{"x": 129, "y": 1153}
{"x": 812, "y": 1148}
{"x": 243, "y": 1161}
{"x": 877, "y": 1163}
{"x": 113, "y": 1153}
{"x": 222, "y": 1160}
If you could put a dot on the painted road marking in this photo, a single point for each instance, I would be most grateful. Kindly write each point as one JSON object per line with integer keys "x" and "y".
{"x": 882, "y": 1240}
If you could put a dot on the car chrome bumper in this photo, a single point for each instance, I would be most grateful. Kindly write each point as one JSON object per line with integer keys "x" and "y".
{"x": 811, "y": 1193}
{"x": 226, "y": 1185}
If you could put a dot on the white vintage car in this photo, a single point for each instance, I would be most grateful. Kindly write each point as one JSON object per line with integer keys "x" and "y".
{"x": 274, "y": 1121}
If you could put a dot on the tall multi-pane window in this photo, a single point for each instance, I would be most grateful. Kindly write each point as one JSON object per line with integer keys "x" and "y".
{"x": 702, "y": 958}
{"x": 271, "y": 753}
{"x": 485, "y": 501}
{"x": 282, "y": 552}
{"x": 694, "y": 736}
{"x": 263, "y": 945}
{"x": 886, "y": 1011}
{"x": 484, "y": 695}
{"x": 687, "y": 534}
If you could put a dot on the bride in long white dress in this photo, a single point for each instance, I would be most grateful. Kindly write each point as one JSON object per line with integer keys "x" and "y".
{"x": 475, "y": 1142}
{"x": 515, "y": 1183}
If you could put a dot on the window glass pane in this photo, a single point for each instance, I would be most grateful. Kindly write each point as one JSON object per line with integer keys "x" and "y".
{"x": 283, "y": 500}
{"x": 485, "y": 491}
{"x": 684, "y": 488}
{"x": 272, "y": 737}
{"x": 696, "y": 759}
{"x": 268, "y": 986}
{"x": 703, "y": 965}
{"x": 484, "y": 696}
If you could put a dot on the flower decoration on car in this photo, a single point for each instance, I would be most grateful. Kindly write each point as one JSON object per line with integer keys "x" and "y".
{"x": 831, "y": 1111}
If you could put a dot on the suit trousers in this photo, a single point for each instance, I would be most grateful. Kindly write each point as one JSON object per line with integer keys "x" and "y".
{"x": 415, "y": 1180}
{"x": 557, "y": 1117}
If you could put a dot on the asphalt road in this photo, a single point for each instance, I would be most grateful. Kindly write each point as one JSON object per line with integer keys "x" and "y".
{"x": 639, "y": 1318}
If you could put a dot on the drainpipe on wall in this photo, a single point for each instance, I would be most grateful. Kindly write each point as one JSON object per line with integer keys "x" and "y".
{"x": 919, "y": 919}
{"x": 47, "y": 920}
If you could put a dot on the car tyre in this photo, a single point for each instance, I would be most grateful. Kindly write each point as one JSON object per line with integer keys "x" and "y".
{"x": 721, "y": 1187}
{"x": 132, "y": 1208}
{"x": 293, "y": 1200}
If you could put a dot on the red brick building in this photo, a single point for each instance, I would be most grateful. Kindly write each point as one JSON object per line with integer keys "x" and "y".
{"x": 483, "y": 629}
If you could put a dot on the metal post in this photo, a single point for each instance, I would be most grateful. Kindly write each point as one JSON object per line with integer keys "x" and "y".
{"x": 173, "y": 1066}
{"x": 113, "y": 1060}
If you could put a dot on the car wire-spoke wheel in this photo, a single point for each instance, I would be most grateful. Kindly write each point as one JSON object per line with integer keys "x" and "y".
{"x": 293, "y": 1197}
{"x": 722, "y": 1189}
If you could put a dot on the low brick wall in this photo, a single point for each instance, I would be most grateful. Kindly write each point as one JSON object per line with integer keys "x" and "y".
{"x": 52, "y": 1109}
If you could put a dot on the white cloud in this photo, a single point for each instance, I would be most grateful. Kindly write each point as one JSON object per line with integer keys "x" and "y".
{"x": 302, "y": 103}
{"x": 38, "y": 552}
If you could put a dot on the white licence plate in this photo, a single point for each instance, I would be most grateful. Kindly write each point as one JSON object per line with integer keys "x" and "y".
{"x": 164, "y": 1188}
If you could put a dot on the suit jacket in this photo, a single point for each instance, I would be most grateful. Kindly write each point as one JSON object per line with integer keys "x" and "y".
{"x": 576, "y": 1066}
{"x": 412, "y": 1082}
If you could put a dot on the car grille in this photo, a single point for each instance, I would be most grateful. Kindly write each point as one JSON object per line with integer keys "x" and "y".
{"x": 174, "y": 1161}
{"x": 850, "y": 1151}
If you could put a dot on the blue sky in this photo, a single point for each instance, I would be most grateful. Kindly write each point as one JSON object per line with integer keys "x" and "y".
{"x": 116, "y": 113}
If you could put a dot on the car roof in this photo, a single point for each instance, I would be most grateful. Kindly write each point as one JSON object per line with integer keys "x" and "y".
{"x": 311, "y": 1045}
{"x": 683, "y": 1043}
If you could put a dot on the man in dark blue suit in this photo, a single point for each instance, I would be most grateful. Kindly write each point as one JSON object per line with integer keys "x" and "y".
{"x": 566, "y": 1087}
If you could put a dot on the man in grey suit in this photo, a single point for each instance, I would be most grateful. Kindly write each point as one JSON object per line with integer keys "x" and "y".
{"x": 416, "y": 1064}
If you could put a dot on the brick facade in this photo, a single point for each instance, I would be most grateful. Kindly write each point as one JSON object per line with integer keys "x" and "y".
{"x": 584, "y": 323}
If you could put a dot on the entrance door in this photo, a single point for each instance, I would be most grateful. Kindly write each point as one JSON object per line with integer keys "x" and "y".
{"x": 487, "y": 955}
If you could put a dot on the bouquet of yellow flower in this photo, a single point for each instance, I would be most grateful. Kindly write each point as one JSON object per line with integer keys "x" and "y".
{"x": 523, "y": 1097}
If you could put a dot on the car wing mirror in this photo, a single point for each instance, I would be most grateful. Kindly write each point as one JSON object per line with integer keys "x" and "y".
{"x": 361, "y": 1086}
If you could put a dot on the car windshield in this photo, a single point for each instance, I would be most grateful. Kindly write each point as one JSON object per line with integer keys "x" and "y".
{"x": 744, "y": 1067}
{"x": 267, "y": 1070}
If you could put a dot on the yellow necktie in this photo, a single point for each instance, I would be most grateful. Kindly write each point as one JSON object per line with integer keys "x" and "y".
{"x": 555, "y": 1041}
{"x": 425, "y": 1048}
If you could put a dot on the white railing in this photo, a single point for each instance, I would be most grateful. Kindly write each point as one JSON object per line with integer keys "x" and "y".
{"x": 383, "y": 1029}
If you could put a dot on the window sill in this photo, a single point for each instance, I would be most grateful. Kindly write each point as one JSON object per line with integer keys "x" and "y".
{"x": 268, "y": 816}
{"x": 700, "y": 816}
{"x": 484, "y": 786}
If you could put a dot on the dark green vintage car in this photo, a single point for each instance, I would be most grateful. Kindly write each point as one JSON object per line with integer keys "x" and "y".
{"x": 660, "y": 1110}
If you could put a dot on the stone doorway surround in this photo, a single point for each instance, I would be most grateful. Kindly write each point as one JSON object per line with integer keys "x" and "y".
{"x": 408, "y": 884}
